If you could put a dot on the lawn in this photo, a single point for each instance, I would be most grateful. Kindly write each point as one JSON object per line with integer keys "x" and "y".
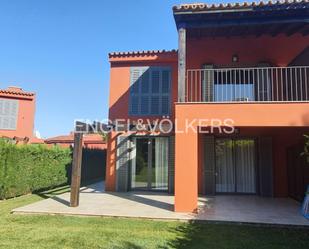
{"x": 25, "y": 231}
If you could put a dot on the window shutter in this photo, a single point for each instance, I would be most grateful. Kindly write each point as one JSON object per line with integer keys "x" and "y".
{"x": 135, "y": 80}
{"x": 165, "y": 91}
{"x": 138, "y": 84}
{"x": 165, "y": 102}
{"x": 145, "y": 82}
{"x": 134, "y": 104}
{"x": 122, "y": 163}
{"x": 165, "y": 81}
{"x": 155, "y": 81}
{"x": 144, "y": 105}
{"x": 155, "y": 105}
{"x": 150, "y": 89}
{"x": 8, "y": 114}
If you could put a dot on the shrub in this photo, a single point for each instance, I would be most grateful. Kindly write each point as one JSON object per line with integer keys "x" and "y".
{"x": 28, "y": 168}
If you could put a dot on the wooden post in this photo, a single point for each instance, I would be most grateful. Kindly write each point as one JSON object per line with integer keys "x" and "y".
{"x": 181, "y": 64}
{"x": 76, "y": 168}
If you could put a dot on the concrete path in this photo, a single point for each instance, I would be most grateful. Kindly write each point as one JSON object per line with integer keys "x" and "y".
{"x": 252, "y": 209}
{"x": 94, "y": 201}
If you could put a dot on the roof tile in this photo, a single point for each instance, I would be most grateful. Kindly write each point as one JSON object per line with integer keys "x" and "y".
{"x": 140, "y": 53}
{"x": 204, "y": 6}
{"x": 9, "y": 92}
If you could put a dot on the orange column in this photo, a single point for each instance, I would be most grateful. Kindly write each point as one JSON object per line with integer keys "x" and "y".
{"x": 110, "y": 177}
{"x": 186, "y": 167}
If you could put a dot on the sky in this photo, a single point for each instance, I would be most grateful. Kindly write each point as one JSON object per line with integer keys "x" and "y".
{"x": 59, "y": 50}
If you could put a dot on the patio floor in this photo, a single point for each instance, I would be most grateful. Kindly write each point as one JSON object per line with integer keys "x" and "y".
{"x": 245, "y": 209}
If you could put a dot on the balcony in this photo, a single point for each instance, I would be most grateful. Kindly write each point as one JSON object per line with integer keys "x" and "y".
{"x": 257, "y": 84}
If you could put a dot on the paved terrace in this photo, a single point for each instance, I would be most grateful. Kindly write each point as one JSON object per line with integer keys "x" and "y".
{"x": 241, "y": 209}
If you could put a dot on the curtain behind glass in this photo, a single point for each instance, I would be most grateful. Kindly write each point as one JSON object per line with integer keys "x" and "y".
{"x": 245, "y": 170}
{"x": 225, "y": 176}
{"x": 161, "y": 163}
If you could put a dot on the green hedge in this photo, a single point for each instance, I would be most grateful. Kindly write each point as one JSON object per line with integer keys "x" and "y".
{"x": 28, "y": 168}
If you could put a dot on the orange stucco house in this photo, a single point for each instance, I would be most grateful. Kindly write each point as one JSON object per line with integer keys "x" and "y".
{"x": 17, "y": 109}
{"x": 90, "y": 141}
{"x": 234, "y": 98}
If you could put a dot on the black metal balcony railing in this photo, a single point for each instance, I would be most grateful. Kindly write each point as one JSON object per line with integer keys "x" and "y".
{"x": 260, "y": 84}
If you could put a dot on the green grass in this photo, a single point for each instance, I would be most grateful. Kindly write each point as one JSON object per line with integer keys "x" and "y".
{"x": 30, "y": 231}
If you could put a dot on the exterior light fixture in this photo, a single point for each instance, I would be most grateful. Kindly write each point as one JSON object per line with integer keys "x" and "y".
{"x": 235, "y": 58}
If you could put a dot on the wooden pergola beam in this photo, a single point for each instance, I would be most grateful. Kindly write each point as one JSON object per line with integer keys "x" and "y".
{"x": 76, "y": 169}
{"x": 181, "y": 64}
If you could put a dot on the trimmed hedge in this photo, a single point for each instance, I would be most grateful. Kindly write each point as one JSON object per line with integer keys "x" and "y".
{"x": 29, "y": 168}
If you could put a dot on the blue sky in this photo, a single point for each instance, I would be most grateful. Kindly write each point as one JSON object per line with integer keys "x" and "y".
{"x": 59, "y": 48}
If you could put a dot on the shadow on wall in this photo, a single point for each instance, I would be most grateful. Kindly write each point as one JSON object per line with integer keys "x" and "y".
{"x": 150, "y": 94}
{"x": 93, "y": 166}
{"x": 306, "y": 119}
{"x": 140, "y": 94}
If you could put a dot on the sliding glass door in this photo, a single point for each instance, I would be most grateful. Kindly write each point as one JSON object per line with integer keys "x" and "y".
{"x": 235, "y": 166}
{"x": 140, "y": 164}
{"x": 245, "y": 166}
{"x": 225, "y": 168}
{"x": 149, "y": 168}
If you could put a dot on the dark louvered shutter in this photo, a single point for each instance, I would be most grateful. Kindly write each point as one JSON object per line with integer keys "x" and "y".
{"x": 155, "y": 80}
{"x": 155, "y": 91}
{"x": 165, "y": 91}
{"x": 209, "y": 165}
{"x": 144, "y": 105}
{"x": 165, "y": 103}
{"x": 8, "y": 114}
{"x": 134, "y": 104}
{"x": 145, "y": 81}
{"x": 139, "y": 87}
{"x": 150, "y": 89}
{"x": 266, "y": 166}
{"x": 122, "y": 163}
{"x": 155, "y": 105}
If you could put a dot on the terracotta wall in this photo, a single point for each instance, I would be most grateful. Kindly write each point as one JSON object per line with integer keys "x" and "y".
{"x": 285, "y": 122}
{"x": 282, "y": 139}
{"x": 110, "y": 176}
{"x": 120, "y": 83}
{"x": 25, "y": 123}
{"x": 279, "y": 50}
{"x": 248, "y": 114}
{"x": 119, "y": 98}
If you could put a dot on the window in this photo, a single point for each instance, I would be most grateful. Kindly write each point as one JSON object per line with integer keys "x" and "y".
{"x": 8, "y": 114}
{"x": 233, "y": 85}
{"x": 150, "y": 89}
